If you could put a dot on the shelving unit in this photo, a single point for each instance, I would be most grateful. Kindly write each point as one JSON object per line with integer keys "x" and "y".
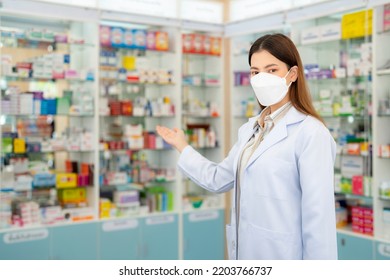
{"x": 45, "y": 87}
{"x": 139, "y": 89}
{"x": 202, "y": 111}
{"x": 381, "y": 84}
{"x": 341, "y": 88}
{"x": 135, "y": 205}
{"x": 202, "y": 118}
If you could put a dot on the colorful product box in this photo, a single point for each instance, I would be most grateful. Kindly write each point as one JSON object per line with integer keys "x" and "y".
{"x": 78, "y": 195}
{"x": 216, "y": 46}
{"x": 44, "y": 180}
{"x": 105, "y": 36}
{"x": 7, "y": 145}
{"x": 187, "y": 43}
{"x": 151, "y": 40}
{"x": 162, "y": 41}
{"x": 117, "y": 37}
{"x": 63, "y": 106}
{"x": 136, "y": 142}
{"x": 66, "y": 180}
{"x": 51, "y": 215}
{"x": 116, "y": 178}
{"x": 386, "y": 17}
{"x": 128, "y": 38}
{"x": 198, "y": 43}
{"x": 207, "y": 41}
{"x": 48, "y": 107}
{"x": 105, "y": 208}
{"x": 357, "y": 185}
{"x": 126, "y": 107}
{"x": 83, "y": 180}
{"x": 23, "y": 183}
{"x": 384, "y": 151}
{"x": 128, "y": 63}
{"x": 126, "y": 198}
{"x": 139, "y": 39}
{"x": 19, "y": 146}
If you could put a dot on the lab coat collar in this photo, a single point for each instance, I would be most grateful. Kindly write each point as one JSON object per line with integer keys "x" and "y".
{"x": 278, "y": 133}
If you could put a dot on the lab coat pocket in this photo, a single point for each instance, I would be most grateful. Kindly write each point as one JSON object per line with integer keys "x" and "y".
{"x": 231, "y": 242}
{"x": 272, "y": 245}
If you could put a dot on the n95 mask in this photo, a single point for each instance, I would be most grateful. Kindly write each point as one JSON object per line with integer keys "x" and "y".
{"x": 269, "y": 89}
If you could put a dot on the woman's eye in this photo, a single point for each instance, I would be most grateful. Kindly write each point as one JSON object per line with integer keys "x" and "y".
{"x": 254, "y": 73}
{"x": 271, "y": 70}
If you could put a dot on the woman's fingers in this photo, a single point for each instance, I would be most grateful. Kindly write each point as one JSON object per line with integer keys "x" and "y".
{"x": 165, "y": 132}
{"x": 174, "y": 137}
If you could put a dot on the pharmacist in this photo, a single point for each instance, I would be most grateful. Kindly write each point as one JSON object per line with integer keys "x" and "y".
{"x": 281, "y": 168}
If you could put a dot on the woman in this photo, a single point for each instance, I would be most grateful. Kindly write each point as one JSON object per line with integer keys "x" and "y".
{"x": 281, "y": 167}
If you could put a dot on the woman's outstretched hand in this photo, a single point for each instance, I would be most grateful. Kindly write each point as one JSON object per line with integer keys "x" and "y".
{"x": 174, "y": 137}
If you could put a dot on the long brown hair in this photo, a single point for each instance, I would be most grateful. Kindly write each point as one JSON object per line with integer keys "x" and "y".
{"x": 281, "y": 47}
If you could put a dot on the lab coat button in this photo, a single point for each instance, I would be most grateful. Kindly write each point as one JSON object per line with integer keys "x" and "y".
{"x": 233, "y": 244}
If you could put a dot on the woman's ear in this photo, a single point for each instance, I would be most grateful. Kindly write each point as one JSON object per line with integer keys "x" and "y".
{"x": 293, "y": 73}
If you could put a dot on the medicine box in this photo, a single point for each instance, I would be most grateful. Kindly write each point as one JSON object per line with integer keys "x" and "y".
{"x": 77, "y": 195}
{"x": 44, "y": 180}
{"x": 66, "y": 180}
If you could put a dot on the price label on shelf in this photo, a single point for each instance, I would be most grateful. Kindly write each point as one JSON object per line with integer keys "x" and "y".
{"x": 25, "y": 236}
{"x": 160, "y": 220}
{"x": 203, "y": 216}
{"x": 120, "y": 225}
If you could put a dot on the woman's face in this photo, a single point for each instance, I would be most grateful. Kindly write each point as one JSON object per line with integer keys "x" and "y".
{"x": 263, "y": 61}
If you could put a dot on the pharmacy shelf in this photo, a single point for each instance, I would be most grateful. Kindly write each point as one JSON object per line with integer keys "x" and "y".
{"x": 36, "y": 79}
{"x": 339, "y": 78}
{"x": 348, "y": 231}
{"x": 49, "y": 152}
{"x": 138, "y": 50}
{"x": 49, "y": 115}
{"x": 383, "y": 72}
{"x": 201, "y": 86}
{"x": 197, "y": 210}
{"x": 351, "y": 195}
{"x": 131, "y": 186}
{"x": 137, "y": 117}
{"x": 137, "y": 150}
{"x": 200, "y": 116}
{"x": 198, "y": 55}
{"x": 24, "y": 43}
{"x": 109, "y": 80}
{"x": 48, "y": 226}
{"x": 141, "y": 215}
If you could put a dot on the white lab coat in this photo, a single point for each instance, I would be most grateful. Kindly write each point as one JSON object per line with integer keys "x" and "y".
{"x": 287, "y": 190}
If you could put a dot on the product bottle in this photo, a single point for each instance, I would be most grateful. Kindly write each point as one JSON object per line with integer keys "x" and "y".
{"x": 250, "y": 108}
{"x": 211, "y": 137}
{"x": 336, "y": 106}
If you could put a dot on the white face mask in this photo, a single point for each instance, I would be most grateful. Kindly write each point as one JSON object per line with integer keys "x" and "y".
{"x": 269, "y": 89}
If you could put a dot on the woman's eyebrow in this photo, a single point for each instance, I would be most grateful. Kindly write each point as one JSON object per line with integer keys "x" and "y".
{"x": 270, "y": 65}
{"x": 266, "y": 67}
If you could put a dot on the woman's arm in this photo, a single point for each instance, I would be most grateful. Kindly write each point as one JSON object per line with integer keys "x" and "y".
{"x": 207, "y": 174}
{"x": 316, "y": 173}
